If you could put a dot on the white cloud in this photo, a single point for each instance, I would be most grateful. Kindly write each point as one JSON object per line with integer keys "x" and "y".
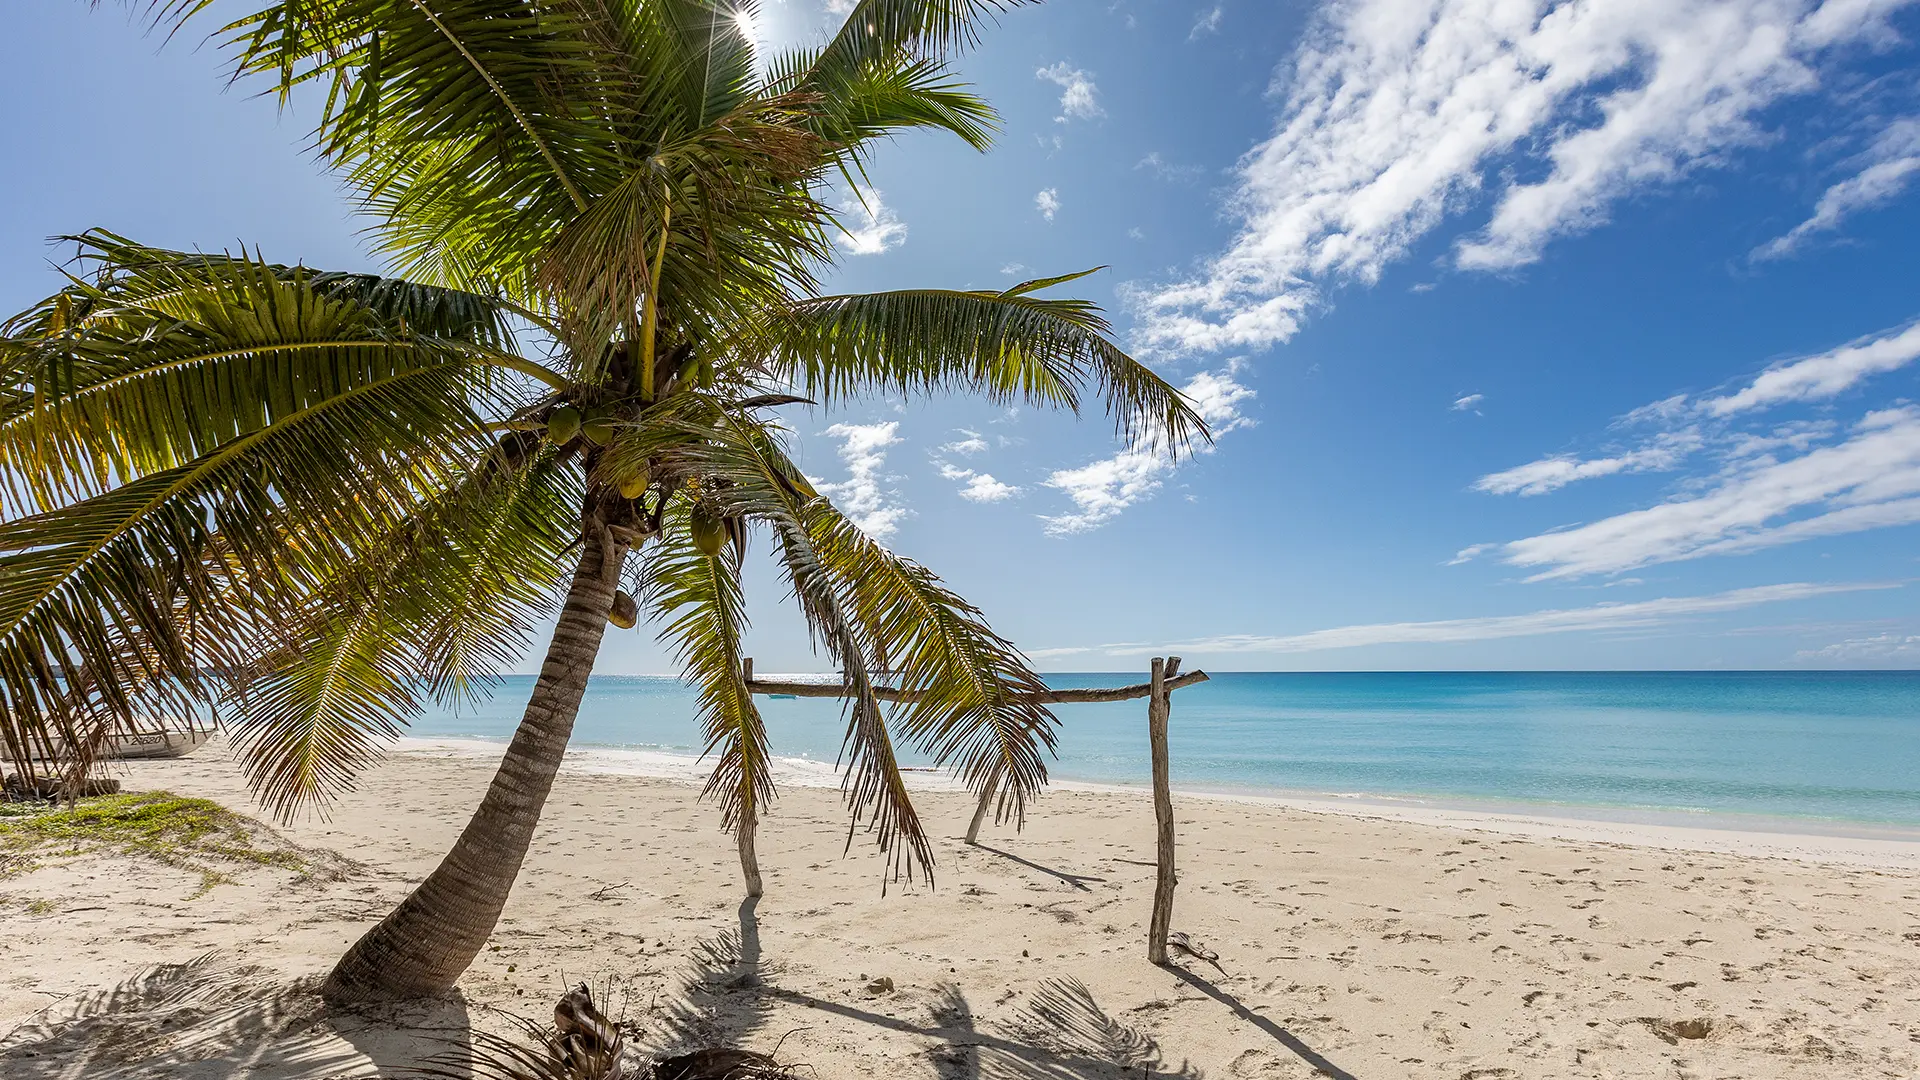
{"x": 972, "y": 444}
{"x": 1078, "y": 94}
{"x": 1166, "y": 171}
{"x": 1047, "y": 202}
{"x": 1640, "y": 614}
{"x": 1013, "y": 268}
{"x": 867, "y": 226}
{"x": 1888, "y": 166}
{"x": 1869, "y": 481}
{"x": 1470, "y": 402}
{"x": 1902, "y": 650}
{"x": 1825, "y": 375}
{"x": 1685, "y": 425}
{"x": 979, "y": 486}
{"x": 839, "y": 7}
{"x": 1102, "y": 490}
{"x": 1398, "y": 113}
{"x": 1207, "y": 22}
{"x": 862, "y": 496}
{"x": 1666, "y": 451}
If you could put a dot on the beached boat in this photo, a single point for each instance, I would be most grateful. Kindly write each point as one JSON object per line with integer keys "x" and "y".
{"x": 157, "y": 744}
{"x": 164, "y": 743}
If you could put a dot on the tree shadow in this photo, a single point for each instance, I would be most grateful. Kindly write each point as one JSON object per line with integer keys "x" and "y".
{"x": 1279, "y": 1034}
{"x": 1076, "y": 880}
{"x": 205, "y": 1020}
{"x": 719, "y": 1001}
{"x": 1059, "y": 1033}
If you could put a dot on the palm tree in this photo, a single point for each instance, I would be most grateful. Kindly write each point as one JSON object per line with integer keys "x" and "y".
{"x": 330, "y": 497}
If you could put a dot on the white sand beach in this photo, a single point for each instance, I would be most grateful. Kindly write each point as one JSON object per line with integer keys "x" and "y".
{"x": 1366, "y": 942}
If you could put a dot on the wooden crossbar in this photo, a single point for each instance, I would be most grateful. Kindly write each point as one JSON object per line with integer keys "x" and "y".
{"x": 889, "y": 693}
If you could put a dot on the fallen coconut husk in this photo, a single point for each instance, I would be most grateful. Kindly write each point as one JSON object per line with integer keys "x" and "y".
{"x": 584, "y": 1044}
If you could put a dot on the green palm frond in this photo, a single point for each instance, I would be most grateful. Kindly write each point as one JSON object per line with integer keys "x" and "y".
{"x": 881, "y": 31}
{"x": 1009, "y": 346}
{"x": 874, "y": 610}
{"x": 215, "y": 421}
{"x": 972, "y": 706}
{"x": 439, "y": 608}
{"x": 163, "y": 359}
{"x": 697, "y": 598}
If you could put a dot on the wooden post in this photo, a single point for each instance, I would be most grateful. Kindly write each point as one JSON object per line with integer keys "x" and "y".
{"x": 1159, "y": 705}
{"x": 746, "y": 670}
{"x": 980, "y": 812}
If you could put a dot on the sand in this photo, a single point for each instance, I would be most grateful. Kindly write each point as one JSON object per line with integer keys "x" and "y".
{"x": 1355, "y": 941}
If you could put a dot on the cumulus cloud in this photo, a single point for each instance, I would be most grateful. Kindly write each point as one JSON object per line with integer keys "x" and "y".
{"x": 978, "y": 486}
{"x": 863, "y": 495}
{"x": 867, "y": 226}
{"x": 1871, "y": 480}
{"x": 1398, "y": 113}
{"x": 1637, "y": 615}
{"x": 1102, "y": 490}
{"x": 1079, "y": 98}
{"x": 973, "y": 443}
{"x": 1047, "y": 202}
{"x": 1887, "y": 168}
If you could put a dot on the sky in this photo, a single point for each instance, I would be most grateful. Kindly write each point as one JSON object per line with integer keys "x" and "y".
{"x": 1575, "y": 335}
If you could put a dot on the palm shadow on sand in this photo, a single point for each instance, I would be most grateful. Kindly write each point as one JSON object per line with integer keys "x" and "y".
{"x": 1273, "y": 1030}
{"x": 206, "y": 1020}
{"x": 1078, "y": 881}
{"x": 1060, "y": 1032}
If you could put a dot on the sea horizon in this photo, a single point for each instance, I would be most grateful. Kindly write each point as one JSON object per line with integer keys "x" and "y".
{"x": 1767, "y": 750}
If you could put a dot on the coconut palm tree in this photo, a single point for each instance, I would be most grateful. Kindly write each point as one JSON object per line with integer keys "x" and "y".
{"x": 330, "y": 498}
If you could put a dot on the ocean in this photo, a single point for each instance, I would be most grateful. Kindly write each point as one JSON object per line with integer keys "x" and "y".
{"x": 1814, "y": 751}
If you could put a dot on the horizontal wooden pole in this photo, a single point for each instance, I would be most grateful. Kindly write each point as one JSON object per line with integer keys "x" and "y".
{"x": 1051, "y": 697}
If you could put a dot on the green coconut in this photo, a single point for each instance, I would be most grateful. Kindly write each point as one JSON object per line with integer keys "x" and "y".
{"x": 563, "y": 424}
{"x": 624, "y": 613}
{"x": 635, "y": 485}
{"x": 709, "y": 531}
{"x": 599, "y": 431}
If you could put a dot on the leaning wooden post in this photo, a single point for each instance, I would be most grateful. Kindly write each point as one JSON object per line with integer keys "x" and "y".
{"x": 1159, "y": 705}
{"x": 980, "y": 812}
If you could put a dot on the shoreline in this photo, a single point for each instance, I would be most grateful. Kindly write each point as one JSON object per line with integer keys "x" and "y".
{"x": 1346, "y": 939}
{"x": 1858, "y": 844}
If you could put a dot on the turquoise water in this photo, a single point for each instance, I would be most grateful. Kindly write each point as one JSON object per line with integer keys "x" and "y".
{"x": 1840, "y": 747}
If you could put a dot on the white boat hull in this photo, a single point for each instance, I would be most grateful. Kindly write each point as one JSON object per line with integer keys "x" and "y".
{"x": 151, "y": 744}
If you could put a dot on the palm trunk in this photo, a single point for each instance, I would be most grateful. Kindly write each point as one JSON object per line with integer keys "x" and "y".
{"x": 749, "y": 857}
{"x": 980, "y": 812}
{"x": 430, "y": 939}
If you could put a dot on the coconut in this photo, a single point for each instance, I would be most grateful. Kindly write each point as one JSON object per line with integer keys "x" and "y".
{"x": 599, "y": 430}
{"x": 709, "y": 532}
{"x": 635, "y": 485}
{"x": 563, "y": 424}
{"x": 624, "y": 613}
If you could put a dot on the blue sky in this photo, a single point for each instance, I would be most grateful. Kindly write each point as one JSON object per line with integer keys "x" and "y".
{"x": 1538, "y": 335}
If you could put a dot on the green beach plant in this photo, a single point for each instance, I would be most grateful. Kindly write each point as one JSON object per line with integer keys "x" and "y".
{"x": 325, "y": 499}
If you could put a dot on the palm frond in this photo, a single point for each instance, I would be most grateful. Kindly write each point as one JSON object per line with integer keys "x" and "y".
{"x": 446, "y": 601}
{"x": 1009, "y": 346}
{"x": 972, "y": 706}
{"x": 163, "y": 358}
{"x": 239, "y": 427}
{"x": 697, "y": 597}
